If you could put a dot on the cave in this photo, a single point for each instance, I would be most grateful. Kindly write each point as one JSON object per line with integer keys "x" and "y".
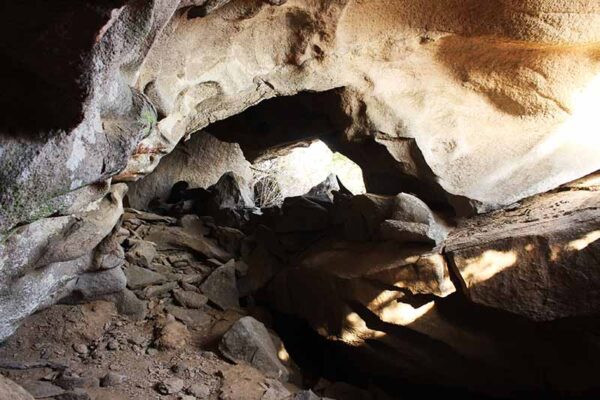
{"x": 299, "y": 200}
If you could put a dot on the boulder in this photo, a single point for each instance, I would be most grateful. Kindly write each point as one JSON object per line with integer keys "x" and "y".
{"x": 300, "y": 214}
{"x": 141, "y": 253}
{"x": 221, "y": 286}
{"x": 190, "y": 299}
{"x": 537, "y": 261}
{"x": 324, "y": 191}
{"x": 93, "y": 285}
{"x": 11, "y": 391}
{"x": 139, "y": 278}
{"x": 503, "y": 289}
{"x": 248, "y": 340}
{"x": 230, "y": 192}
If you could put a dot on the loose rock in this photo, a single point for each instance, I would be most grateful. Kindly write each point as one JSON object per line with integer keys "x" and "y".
{"x": 221, "y": 287}
{"x": 170, "y": 386}
{"x": 249, "y": 340}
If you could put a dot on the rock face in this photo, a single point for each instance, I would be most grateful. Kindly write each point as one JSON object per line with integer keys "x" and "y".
{"x": 530, "y": 270}
{"x": 46, "y": 260}
{"x": 474, "y": 76}
{"x": 469, "y": 105}
{"x": 188, "y": 162}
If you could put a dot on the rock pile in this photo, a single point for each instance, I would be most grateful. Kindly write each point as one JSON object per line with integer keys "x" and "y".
{"x": 174, "y": 288}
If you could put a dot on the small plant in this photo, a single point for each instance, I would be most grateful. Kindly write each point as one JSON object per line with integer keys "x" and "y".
{"x": 267, "y": 191}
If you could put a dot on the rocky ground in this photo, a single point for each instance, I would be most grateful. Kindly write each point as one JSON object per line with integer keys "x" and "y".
{"x": 176, "y": 332}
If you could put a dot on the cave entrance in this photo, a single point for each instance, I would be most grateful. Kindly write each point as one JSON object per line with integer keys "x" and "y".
{"x": 295, "y": 171}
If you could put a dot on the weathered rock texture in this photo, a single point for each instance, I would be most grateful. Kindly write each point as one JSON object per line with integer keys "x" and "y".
{"x": 48, "y": 259}
{"x": 493, "y": 308}
{"x": 468, "y": 103}
{"x": 457, "y": 78}
{"x": 199, "y": 161}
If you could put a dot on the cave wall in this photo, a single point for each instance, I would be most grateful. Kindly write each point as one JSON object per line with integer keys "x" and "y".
{"x": 486, "y": 102}
{"x": 199, "y": 161}
{"x": 459, "y": 78}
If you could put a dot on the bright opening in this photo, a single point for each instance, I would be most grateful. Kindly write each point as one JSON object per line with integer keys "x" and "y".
{"x": 300, "y": 169}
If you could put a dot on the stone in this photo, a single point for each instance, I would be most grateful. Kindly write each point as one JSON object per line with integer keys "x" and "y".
{"x": 191, "y": 317}
{"x": 221, "y": 287}
{"x": 112, "y": 344}
{"x": 199, "y": 390}
{"x": 363, "y": 214}
{"x": 190, "y": 299}
{"x": 139, "y": 277}
{"x": 170, "y": 386}
{"x": 11, "y": 391}
{"x": 70, "y": 381}
{"x": 129, "y": 304}
{"x": 402, "y": 232}
{"x": 300, "y": 214}
{"x": 231, "y": 192}
{"x": 142, "y": 253}
{"x": 324, "y": 191}
{"x": 42, "y": 389}
{"x": 80, "y": 348}
{"x": 185, "y": 238}
{"x": 230, "y": 239}
{"x": 160, "y": 290}
{"x": 94, "y": 285}
{"x": 306, "y": 395}
{"x": 187, "y": 162}
{"x": 173, "y": 336}
{"x": 109, "y": 254}
{"x": 76, "y": 394}
{"x": 112, "y": 379}
{"x": 531, "y": 261}
{"x": 41, "y": 261}
{"x": 408, "y": 208}
{"x": 248, "y": 340}
{"x": 275, "y": 390}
